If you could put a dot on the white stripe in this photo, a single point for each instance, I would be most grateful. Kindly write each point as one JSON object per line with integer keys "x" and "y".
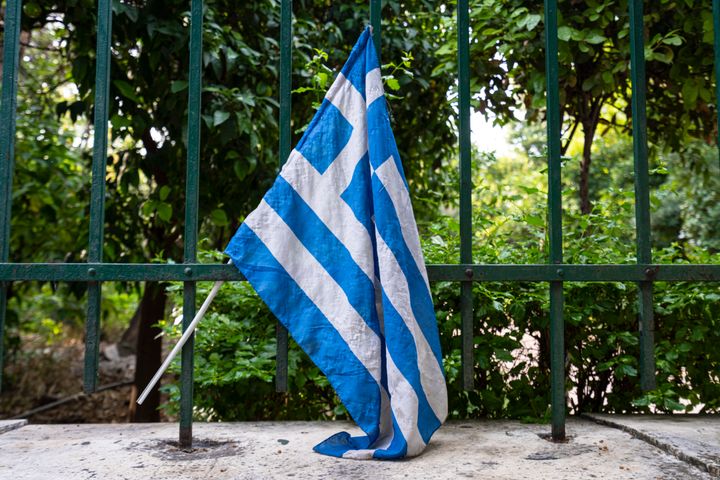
{"x": 387, "y": 432}
{"x": 385, "y": 437}
{"x": 373, "y": 86}
{"x": 322, "y": 192}
{"x": 317, "y": 284}
{"x": 398, "y": 292}
{"x": 322, "y": 196}
{"x": 391, "y": 179}
{"x": 405, "y": 406}
{"x": 348, "y": 100}
{"x": 359, "y": 454}
{"x": 330, "y": 299}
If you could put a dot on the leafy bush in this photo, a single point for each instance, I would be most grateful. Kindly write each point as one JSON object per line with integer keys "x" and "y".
{"x": 235, "y": 346}
{"x": 235, "y": 362}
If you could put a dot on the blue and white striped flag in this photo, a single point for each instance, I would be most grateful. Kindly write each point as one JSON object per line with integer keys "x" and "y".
{"x": 333, "y": 250}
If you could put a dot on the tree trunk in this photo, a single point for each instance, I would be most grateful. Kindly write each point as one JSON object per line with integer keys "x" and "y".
{"x": 590, "y": 123}
{"x": 128, "y": 342}
{"x": 585, "y": 204}
{"x": 149, "y": 353}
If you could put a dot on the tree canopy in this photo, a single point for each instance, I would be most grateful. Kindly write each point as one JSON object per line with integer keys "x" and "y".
{"x": 508, "y": 71}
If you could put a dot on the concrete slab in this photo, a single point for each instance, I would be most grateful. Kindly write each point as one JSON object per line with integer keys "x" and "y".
{"x": 692, "y": 438}
{"x": 490, "y": 450}
{"x": 8, "y": 425}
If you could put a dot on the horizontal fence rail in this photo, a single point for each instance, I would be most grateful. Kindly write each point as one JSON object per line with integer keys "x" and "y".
{"x": 153, "y": 272}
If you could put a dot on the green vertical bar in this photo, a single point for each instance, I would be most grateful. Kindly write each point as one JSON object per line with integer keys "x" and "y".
{"x": 281, "y": 364}
{"x": 375, "y": 9}
{"x": 642, "y": 193}
{"x": 557, "y": 326}
{"x": 466, "y": 299}
{"x": 716, "y": 28}
{"x": 97, "y": 195}
{"x": 192, "y": 187}
{"x": 11, "y": 57}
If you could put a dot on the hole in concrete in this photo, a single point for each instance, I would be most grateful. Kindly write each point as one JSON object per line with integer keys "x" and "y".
{"x": 548, "y": 437}
{"x": 197, "y": 444}
{"x": 201, "y": 448}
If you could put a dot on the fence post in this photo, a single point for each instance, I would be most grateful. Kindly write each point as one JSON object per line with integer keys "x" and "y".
{"x": 716, "y": 30}
{"x": 466, "y": 299}
{"x": 281, "y": 360}
{"x": 554, "y": 122}
{"x": 192, "y": 187}
{"x": 11, "y": 59}
{"x": 97, "y": 193}
{"x": 642, "y": 194}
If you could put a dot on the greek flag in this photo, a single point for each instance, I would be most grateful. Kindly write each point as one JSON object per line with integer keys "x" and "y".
{"x": 333, "y": 250}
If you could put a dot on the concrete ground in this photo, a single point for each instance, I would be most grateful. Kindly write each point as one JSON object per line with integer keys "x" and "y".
{"x": 485, "y": 450}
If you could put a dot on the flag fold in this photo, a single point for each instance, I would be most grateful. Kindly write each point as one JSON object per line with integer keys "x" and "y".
{"x": 333, "y": 250}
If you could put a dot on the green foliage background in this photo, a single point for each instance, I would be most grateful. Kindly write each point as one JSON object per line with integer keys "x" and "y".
{"x": 235, "y": 346}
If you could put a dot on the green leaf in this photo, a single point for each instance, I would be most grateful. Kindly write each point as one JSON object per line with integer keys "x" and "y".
{"x": 588, "y": 84}
{"x": 127, "y": 90}
{"x": 219, "y": 217}
{"x": 534, "y": 220}
{"x": 565, "y": 33}
{"x": 392, "y": 83}
{"x": 673, "y": 40}
{"x": 642, "y": 401}
{"x": 662, "y": 57}
{"x": 240, "y": 168}
{"x": 219, "y": 117}
{"x": 595, "y": 38}
{"x": 671, "y": 404}
{"x": 503, "y": 355}
{"x": 532, "y": 21}
{"x": 32, "y": 10}
{"x": 690, "y": 93}
{"x": 164, "y": 211}
{"x": 164, "y": 192}
{"x": 148, "y": 208}
{"x": 322, "y": 78}
{"x": 607, "y": 77}
{"x": 246, "y": 98}
{"x": 627, "y": 370}
{"x": 178, "y": 86}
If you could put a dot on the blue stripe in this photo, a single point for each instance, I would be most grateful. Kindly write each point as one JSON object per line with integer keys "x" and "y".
{"x": 388, "y": 227}
{"x": 383, "y": 144}
{"x": 340, "y": 443}
{"x": 356, "y": 388}
{"x": 398, "y": 446}
{"x": 357, "y": 198}
{"x": 325, "y": 138}
{"x": 401, "y": 346}
{"x": 326, "y": 248}
{"x": 362, "y": 59}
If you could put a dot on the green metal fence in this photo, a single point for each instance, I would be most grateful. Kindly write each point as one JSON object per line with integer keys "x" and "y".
{"x": 555, "y": 273}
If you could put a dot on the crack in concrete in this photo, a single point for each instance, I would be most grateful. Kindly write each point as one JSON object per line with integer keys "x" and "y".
{"x": 658, "y": 442}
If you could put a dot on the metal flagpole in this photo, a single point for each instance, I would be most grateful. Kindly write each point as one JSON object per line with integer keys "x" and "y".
{"x": 188, "y": 332}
